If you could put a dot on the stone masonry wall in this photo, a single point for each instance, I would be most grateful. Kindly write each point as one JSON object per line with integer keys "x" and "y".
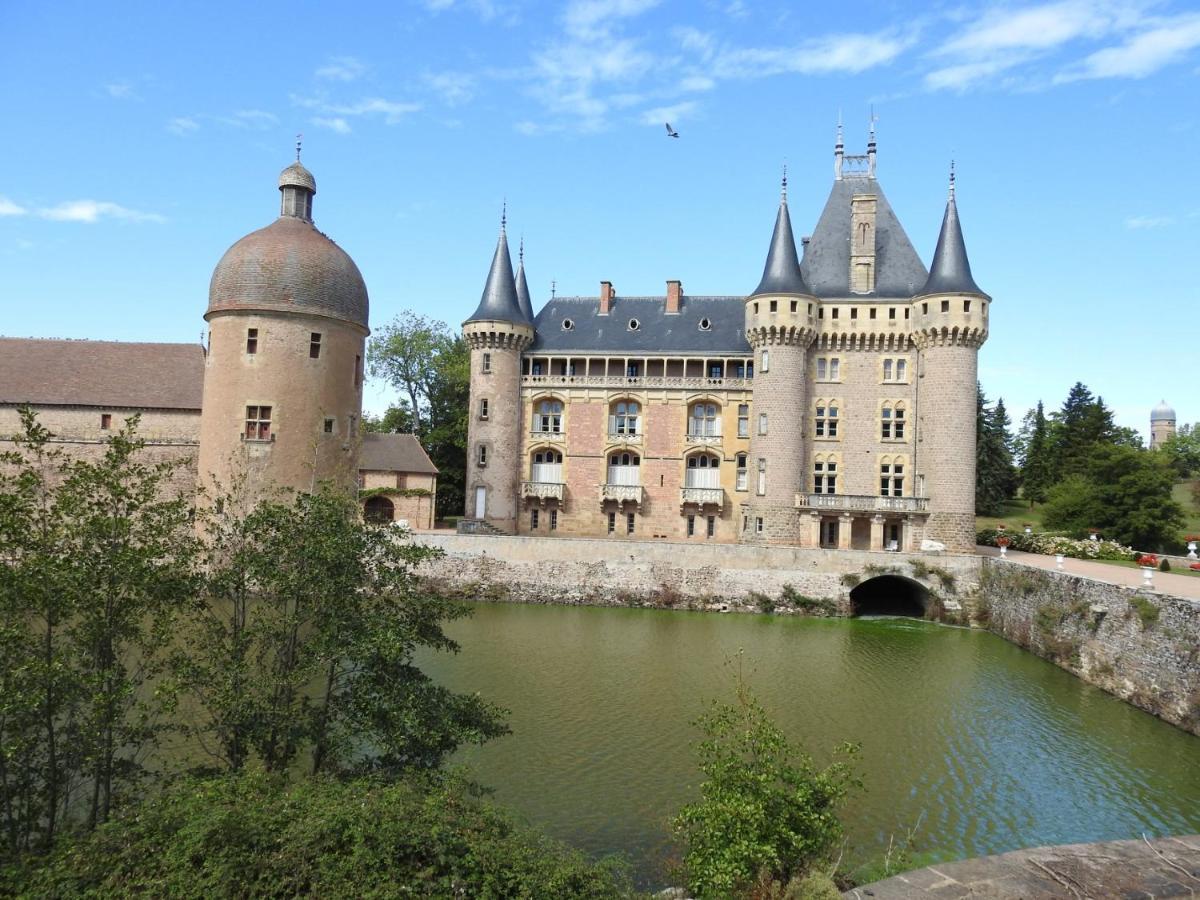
{"x": 1141, "y": 646}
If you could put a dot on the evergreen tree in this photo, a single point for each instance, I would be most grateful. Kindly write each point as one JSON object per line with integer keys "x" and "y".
{"x": 1084, "y": 423}
{"x": 995, "y": 475}
{"x": 1036, "y": 463}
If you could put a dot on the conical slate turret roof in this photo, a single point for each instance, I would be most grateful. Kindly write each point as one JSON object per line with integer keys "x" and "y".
{"x": 781, "y": 274}
{"x": 499, "y": 302}
{"x": 950, "y": 272}
{"x": 523, "y": 301}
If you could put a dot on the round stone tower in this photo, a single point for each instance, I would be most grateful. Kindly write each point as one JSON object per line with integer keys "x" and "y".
{"x": 1162, "y": 424}
{"x": 287, "y": 314}
{"x": 780, "y": 328}
{"x": 497, "y": 333}
{"x": 950, "y": 324}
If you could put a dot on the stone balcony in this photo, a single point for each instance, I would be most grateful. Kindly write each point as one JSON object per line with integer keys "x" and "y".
{"x": 542, "y": 491}
{"x": 621, "y": 493}
{"x": 624, "y": 438}
{"x": 555, "y": 437}
{"x": 862, "y": 503}
{"x": 703, "y": 440}
{"x": 636, "y": 381}
{"x": 702, "y": 496}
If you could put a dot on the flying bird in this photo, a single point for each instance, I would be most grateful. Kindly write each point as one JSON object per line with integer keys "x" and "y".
{"x": 671, "y": 132}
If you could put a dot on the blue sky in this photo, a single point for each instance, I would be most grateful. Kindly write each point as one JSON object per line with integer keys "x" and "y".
{"x": 142, "y": 139}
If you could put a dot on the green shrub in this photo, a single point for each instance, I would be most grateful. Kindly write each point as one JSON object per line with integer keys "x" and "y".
{"x": 764, "y": 603}
{"x": 1047, "y": 619}
{"x": 765, "y": 809}
{"x": 851, "y": 579}
{"x": 257, "y": 836}
{"x": 1164, "y": 565}
{"x": 920, "y": 568}
{"x": 1146, "y": 611}
{"x": 818, "y": 605}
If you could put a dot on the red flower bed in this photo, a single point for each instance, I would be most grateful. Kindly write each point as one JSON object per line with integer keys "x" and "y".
{"x": 1148, "y": 559}
{"x": 1195, "y": 567}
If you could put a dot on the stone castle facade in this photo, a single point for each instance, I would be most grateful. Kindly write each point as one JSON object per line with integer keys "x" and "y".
{"x": 832, "y": 407}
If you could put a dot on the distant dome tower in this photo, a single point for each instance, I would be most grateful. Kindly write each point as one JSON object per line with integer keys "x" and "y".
{"x": 1162, "y": 424}
{"x": 287, "y": 314}
{"x": 497, "y": 332}
{"x": 950, "y": 324}
{"x": 779, "y": 327}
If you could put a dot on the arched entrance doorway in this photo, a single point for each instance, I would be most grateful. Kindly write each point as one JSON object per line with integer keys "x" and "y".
{"x": 379, "y": 510}
{"x": 889, "y": 595}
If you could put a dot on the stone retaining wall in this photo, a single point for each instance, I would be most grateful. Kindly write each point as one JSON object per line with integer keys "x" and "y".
{"x": 1141, "y": 646}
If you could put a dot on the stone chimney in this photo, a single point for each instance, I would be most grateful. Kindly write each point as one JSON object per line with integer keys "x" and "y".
{"x": 606, "y": 297}
{"x": 674, "y": 297}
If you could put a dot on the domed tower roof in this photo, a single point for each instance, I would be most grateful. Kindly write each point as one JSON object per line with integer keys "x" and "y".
{"x": 1162, "y": 413}
{"x": 950, "y": 272}
{"x": 290, "y": 266}
{"x": 499, "y": 302}
{"x": 781, "y": 274}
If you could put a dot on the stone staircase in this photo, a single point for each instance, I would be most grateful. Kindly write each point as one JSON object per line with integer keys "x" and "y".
{"x": 479, "y": 526}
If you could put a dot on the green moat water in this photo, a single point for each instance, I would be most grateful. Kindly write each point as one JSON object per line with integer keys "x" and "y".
{"x": 986, "y": 746}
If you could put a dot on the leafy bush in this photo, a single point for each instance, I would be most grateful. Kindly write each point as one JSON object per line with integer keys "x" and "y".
{"x": 254, "y": 835}
{"x": 765, "y": 603}
{"x": 1050, "y": 544}
{"x": 765, "y": 809}
{"x": 1164, "y": 565}
{"x": 818, "y": 605}
{"x": 851, "y": 579}
{"x": 1145, "y": 610}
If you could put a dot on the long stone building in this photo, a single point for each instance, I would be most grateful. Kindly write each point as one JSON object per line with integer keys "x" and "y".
{"x": 274, "y": 399}
{"x": 834, "y": 406}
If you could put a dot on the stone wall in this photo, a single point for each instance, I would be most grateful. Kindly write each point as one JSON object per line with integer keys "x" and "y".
{"x": 604, "y": 572}
{"x": 1141, "y": 646}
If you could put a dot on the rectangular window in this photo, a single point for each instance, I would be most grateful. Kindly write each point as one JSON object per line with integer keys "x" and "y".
{"x": 758, "y": 524}
{"x": 535, "y": 367}
{"x": 825, "y": 422}
{"x": 854, "y": 312}
{"x": 483, "y": 408}
{"x": 892, "y": 312}
{"x": 824, "y": 477}
{"x": 766, "y": 361}
{"x": 691, "y": 525}
{"x": 314, "y": 345}
{"x": 873, "y": 312}
{"x": 712, "y": 526}
{"x": 891, "y": 480}
{"x": 887, "y": 370}
{"x": 924, "y": 309}
{"x": 895, "y": 370}
{"x": 885, "y": 424}
{"x": 901, "y": 370}
{"x": 358, "y": 371}
{"x": 251, "y": 341}
{"x": 482, "y": 456}
{"x": 612, "y": 523}
{"x": 835, "y": 365}
{"x": 820, "y": 312}
{"x": 762, "y": 423}
{"x": 743, "y": 420}
{"x": 258, "y": 423}
{"x": 630, "y": 518}
{"x": 793, "y": 306}
{"x": 822, "y": 368}
{"x": 834, "y": 312}
{"x": 554, "y": 520}
{"x": 898, "y": 424}
{"x": 487, "y": 363}
{"x": 906, "y": 312}
{"x": 966, "y": 306}
{"x": 740, "y": 485}
{"x": 632, "y": 370}
{"x": 762, "y": 477}
{"x": 945, "y": 306}
{"x": 714, "y": 371}
{"x": 533, "y": 520}
{"x": 329, "y": 426}
{"x": 105, "y": 421}
{"x": 774, "y": 306}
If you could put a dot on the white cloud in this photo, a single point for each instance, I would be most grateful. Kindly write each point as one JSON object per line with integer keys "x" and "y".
{"x": 92, "y": 211}
{"x": 1040, "y": 27}
{"x": 253, "y": 118}
{"x": 850, "y": 53}
{"x": 339, "y": 125}
{"x": 121, "y": 90}
{"x": 9, "y": 208}
{"x": 696, "y": 83}
{"x": 1144, "y": 53}
{"x": 183, "y": 125}
{"x": 453, "y": 87}
{"x": 390, "y": 111}
{"x": 675, "y": 113}
{"x": 485, "y": 9}
{"x": 341, "y": 68}
{"x": 588, "y": 19}
{"x": 1137, "y": 223}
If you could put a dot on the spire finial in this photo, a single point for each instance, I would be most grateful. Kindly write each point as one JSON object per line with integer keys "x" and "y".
{"x": 951, "y": 179}
{"x": 553, "y": 289}
{"x": 784, "y": 187}
{"x": 873, "y": 117}
{"x": 521, "y": 251}
{"x": 504, "y": 214}
{"x": 299, "y": 140}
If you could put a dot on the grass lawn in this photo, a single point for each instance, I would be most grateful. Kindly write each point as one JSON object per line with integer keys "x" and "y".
{"x": 1016, "y": 514}
{"x": 1130, "y": 564}
{"x": 1182, "y": 493}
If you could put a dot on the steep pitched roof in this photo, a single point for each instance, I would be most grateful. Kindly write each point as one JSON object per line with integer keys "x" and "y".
{"x": 394, "y": 453}
{"x": 108, "y": 374}
{"x": 499, "y": 302}
{"x": 950, "y": 272}
{"x": 899, "y": 271}
{"x": 781, "y": 274}
{"x": 657, "y": 332}
{"x": 523, "y": 300}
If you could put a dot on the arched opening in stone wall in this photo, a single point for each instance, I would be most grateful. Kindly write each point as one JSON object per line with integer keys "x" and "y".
{"x": 379, "y": 510}
{"x": 889, "y": 595}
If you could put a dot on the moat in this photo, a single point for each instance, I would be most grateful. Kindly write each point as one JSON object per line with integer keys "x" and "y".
{"x": 979, "y": 745}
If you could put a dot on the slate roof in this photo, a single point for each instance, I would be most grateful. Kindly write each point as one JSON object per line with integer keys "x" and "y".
{"x": 394, "y": 453}
{"x": 657, "y": 332}
{"x": 523, "y": 300}
{"x": 950, "y": 272}
{"x": 781, "y": 274}
{"x": 899, "y": 271}
{"x": 499, "y": 302}
{"x": 110, "y": 374}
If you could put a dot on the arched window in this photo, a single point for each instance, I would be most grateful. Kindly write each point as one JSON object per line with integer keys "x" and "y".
{"x": 892, "y": 420}
{"x": 864, "y": 230}
{"x": 625, "y": 417}
{"x": 547, "y": 417}
{"x": 825, "y": 470}
{"x": 704, "y": 420}
{"x": 891, "y": 476}
{"x": 703, "y": 471}
{"x": 741, "y": 472}
{"x": 624, "y": 468}
{"x": 379, "y": 510}
{"x": 546, "y": 467}
{"x": 825, "y": 421}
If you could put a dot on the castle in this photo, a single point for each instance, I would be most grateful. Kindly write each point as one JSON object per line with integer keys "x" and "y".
{"x": 274, "y": 400}
{"x": 832, "y": 407}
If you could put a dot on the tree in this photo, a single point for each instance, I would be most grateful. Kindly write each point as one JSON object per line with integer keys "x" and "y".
{"x": 301, "y": 647}
{"x": 765, "y": 808}
{"x": 402, "y": 354}
{"x": 1182, "y": 451}
{"x": 1084, "y": 422}
{"x": 1125, "y": 493}
{"x": 995, "y": 474}
{"x": 1036, "y": 463}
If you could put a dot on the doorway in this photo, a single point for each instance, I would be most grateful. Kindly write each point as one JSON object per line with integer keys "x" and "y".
{"x": 480, "y": 501}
